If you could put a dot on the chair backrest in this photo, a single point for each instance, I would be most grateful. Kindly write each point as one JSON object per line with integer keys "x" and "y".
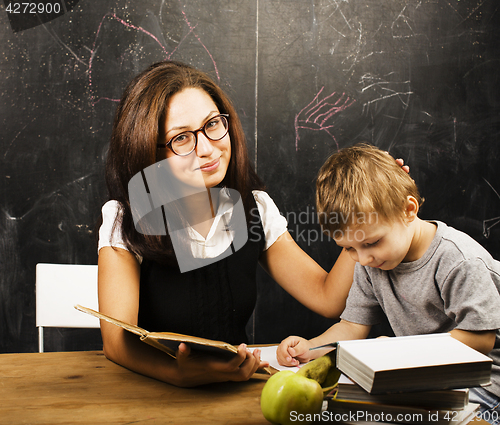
{"x": 59, "y": 287}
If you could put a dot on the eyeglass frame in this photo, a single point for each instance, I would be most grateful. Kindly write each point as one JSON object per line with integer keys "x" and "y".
{"x": 195, "y": 132}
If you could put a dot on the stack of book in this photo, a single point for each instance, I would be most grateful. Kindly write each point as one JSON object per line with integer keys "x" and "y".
{"x": 421, "y": 379}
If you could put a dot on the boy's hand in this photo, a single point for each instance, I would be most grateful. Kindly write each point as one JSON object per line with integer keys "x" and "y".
{"x": 294, "y": 350}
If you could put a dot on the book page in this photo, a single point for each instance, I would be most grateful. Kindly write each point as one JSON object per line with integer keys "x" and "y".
{"x": 411, "y": 351}
{"x": 161, "y": 340}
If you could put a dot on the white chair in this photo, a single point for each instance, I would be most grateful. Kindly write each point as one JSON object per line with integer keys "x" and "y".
{"x": 59, "y": 287}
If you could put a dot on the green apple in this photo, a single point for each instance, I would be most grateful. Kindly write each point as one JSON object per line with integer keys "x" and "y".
{"x": 288, "y": 398}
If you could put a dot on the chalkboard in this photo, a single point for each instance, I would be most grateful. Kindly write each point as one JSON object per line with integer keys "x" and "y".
{"x": 417, "y": 78}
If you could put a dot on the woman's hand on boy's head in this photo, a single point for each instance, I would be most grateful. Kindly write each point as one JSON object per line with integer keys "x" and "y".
{"x": 293, "y": 350}
{"x": 401, "y": 163}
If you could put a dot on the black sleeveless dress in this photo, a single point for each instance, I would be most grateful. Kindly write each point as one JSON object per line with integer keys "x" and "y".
{"x": 214, "y": 301}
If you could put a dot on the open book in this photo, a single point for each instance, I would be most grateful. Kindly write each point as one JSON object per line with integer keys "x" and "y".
{"x": 413, "y": 363}
{"x": 168, "y": 341}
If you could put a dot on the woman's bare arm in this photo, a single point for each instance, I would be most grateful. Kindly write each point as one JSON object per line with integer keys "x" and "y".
{"x": 118, "y": 283}
{"x": 304, "y": 279}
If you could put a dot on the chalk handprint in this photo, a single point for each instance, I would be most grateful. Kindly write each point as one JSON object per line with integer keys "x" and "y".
{"x": 318, "y": 114}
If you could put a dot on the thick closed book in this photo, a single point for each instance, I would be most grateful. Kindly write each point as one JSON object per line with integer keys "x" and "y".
{"x": 450, "y": 399}
{"x": 413, "y": 363}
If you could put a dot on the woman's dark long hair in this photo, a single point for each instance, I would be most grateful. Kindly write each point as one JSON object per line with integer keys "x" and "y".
{"x": 133, "y": 146}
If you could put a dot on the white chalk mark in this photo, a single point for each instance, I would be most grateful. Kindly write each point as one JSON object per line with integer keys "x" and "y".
{"x": 487, "y": 227}
{"x": 406, "y": 20}
{"x": 342, "y": 14}
{"x": 256, "y": 78}
{"x": 64, "y": 45}
{"x": 337, "y": 31}
{"x": 15, "y": 138}
{"x": 486, "y": 223}
{"x": 492, "y": 188}
{"x": 380, "y": 83}
{"x": 46, "y": 196}
{"x": 385, "y": 90}
{"x": 389, "y": 96}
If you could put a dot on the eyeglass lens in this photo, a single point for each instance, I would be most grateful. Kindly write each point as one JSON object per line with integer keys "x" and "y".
{"x": 215, "y": 129}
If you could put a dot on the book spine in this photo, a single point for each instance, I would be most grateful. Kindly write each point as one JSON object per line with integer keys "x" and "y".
{"x": 154, "y": 343}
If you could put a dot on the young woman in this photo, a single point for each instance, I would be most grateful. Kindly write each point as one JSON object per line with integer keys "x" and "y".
{"x": 175, "y": 115}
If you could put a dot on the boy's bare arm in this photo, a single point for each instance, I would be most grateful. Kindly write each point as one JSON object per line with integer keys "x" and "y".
{"x": 482, "y": 341}
{"x": 342, "y": 331}
{"x": 294, "y": 350}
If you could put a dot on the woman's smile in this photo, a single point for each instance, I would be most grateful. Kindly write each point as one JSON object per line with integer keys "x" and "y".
{"x": 210, "y": 166}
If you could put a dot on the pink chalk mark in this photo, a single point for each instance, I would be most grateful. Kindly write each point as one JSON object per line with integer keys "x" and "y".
{"x": 121, "y": 21}
{"x": 199, "y": 39}
{"x": 134, "y": 27}
{"x": 317, "y": 115}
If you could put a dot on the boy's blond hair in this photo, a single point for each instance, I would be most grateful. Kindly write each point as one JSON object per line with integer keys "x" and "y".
{"x": 359, "y": 183}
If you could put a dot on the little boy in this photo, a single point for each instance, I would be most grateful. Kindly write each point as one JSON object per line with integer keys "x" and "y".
{"x": 425, "y": 276}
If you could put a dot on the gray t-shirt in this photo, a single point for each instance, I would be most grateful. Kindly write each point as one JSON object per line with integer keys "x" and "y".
{"x": 455, "y": 284}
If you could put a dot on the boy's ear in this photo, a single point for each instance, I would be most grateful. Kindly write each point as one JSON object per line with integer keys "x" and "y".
{"x": 411, "y": 209}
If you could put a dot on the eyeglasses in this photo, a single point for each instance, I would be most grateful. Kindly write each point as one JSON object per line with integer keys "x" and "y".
{"x": 185, "y": 143}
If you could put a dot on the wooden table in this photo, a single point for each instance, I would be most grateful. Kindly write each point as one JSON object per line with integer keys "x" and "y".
{"x": 86, "y": 388}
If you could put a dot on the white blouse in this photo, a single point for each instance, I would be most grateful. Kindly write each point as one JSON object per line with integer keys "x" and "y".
{"x": 215, "y": 243}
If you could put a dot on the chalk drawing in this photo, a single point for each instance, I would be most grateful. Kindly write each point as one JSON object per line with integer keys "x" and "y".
{"x": 318, "y": 114}
{"x": 167, "y": 54}
{"x": 490, "y": 223}
{"x": 385, "y": 89}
